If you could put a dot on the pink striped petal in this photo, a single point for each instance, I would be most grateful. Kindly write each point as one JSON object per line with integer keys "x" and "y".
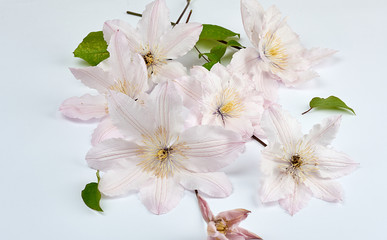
{"x": 297, "y": 199}
{"x": 180, "y": 39}
{"x": 316, "y": 55}
{"x": 246, "y": 234}
{"x": 154, "y": 22}
{"x": 205, "y": 209}
{"x": 214, "y": 184}
{"x": 161, "y": 195}
{"x": 326, "y": 190}
{"x": 119, "y": 182}
{"x": 333, "y": 164}
{"x": 85, "y": 107}
{"x": 252, "y": 17}
{"x": 324, "y": 133}
{"x": 132, "y": 36}
{"x": 105, "y": 130}
{"x": 276, "y": 187}
{"x": 94, "y": 77}
{"x": 210, "y": 148}
{"x": 245, "y": 61}
{"x": 234, "y": 217}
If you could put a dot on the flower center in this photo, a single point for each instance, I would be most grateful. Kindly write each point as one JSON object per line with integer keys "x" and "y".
{"x": 273, "y": 50}
{"x": 296, "y": 161}
{"x": 149, "y": 59}
{"x": 221, "y": 226}
{"x": 229, "y": 104}
{"x": 162, "y": 154}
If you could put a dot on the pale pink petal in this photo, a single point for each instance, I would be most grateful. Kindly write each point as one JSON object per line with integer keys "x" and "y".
{"x": 204, "y": 209}
{"x": 316, "y": 55}
{"x": 271, "y": 158}
{"x": 180, "y": 40}
{"x": 234, "y": 217}
{"x": 170, "y": 71}
{"x": 265, "y": 84}
{"x": 154, "y": 22}
{"x": 113, "y": 154}
{"x": 120, "y": 182}
{"x": 85, "y": 107}
{"x": 210, "y": 148}
{"x": 246, "y": 234}
{"x": 241, "y": 125}
{"x": 234, "y": 236}
{"x": 105, "y": 130}
{"x": 132, "y": 36}
{"x": 129, "y": 116}
{"x": 160, "y": 195}
{"x": 297, "y": 199}
{"x": 94, "y": 77}
{"x": 129, "y": 70}
{"x": 245, "y": 61}
{"x": 327, "y": 190}
{"x": 333, "y": 164}
{"x": 280, "y": 126}
{"x": 272, "y": 18}
{"x": 324, "y": 133}
{"x": 214, "y": 184}
{"x": 252, "y": 17}
{"x": 276, "y": 187}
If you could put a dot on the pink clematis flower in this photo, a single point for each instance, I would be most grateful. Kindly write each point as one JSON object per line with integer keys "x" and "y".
{"x": 164, "y": 157}
{"x": 221, "y": 98}
{"x": 276, "y": 48}
{"x": 157, "y": 40}
{"x": 224, "y": 226}
{"x": 297, "y": 167}
{"x": 123, "y": 72}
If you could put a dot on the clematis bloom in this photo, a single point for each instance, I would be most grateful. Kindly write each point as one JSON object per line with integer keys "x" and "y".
{"x": 163, "y": 158}
{"x": 156, "y": 40}
{"x": 297, "y": 167}
{"x": 276, "y": 49}
{"x": 224, "y": 226}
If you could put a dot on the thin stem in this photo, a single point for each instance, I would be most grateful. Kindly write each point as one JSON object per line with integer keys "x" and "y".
{"x": 134, "y": 13}
{"x": 306, "y": 111}
{"x": 259, "y": 140}
{"x": 185, "y": 9}
{"x": 197, "y": 49}
{"x": 189, "y": 16}
{"x": 225, "y": 43}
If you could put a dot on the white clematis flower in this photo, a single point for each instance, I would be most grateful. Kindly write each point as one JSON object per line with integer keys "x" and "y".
{"x": 276, "y": 48}
{"x": 156, "y": 40}
{"x": 297, "y": 167}
{"x": 164, "y": 157}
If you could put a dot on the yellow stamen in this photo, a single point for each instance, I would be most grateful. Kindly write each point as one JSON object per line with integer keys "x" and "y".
{"x": 275, "y": 51}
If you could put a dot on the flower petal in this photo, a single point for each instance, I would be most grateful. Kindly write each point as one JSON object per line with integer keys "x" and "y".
{"x": 280, "y": 126}
{"x": 324, "y": 133}
{"x": 133, "y": 37}
{"x": 180, "y": 39}
{"x": 245, "y": 61}
{"x": 276, "y": 187}
{"x": 85, "y": 107}
{"x": 316, "y": 55}
{"x": 210, "y": 148}
{"x": 326, "y": 190}
{"x": 105, "y": 130}
{"x": 113, "y": 154}
{"x": 129, "y": 116}
{"x": 160, "y": 195}
{"x": 154, "y": 22}
{"x": 204, "y": 209}
{"x": 333, "y": 164}
{"x": 234, "y": 217}
{"x": 214, "y": 184}
{"x": 297, "y": 200}
{"x": 120, "y": 182}
{"x": 252, "y": 17}
{"x": 127, "y": 68}
{"x": 94, "y": 77}
{"x": 170, "y": 71}
{"x": 246, "y": 234}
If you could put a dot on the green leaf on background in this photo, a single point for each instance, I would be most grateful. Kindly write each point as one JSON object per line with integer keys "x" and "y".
{"x": 93, "y": 48}
{"x": 209, "y": 65}
{"x": 91, "y": 195}
{"x": 214, "y": 56}
{"x": 214, "y": 32}
{"x": 233, "y": 43}
{"x": 331, "y": 102}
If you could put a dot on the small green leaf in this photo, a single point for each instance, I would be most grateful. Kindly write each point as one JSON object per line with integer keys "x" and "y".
{"x": 233, "y": 43}
{"x": 209, "y": 65}
{"x": 93, "y": 48}
{"x": 216, "y": 53}
{"x": 331, "y": 102}
{"x": 214, "y": 32}
{"x": 91, "y": 196}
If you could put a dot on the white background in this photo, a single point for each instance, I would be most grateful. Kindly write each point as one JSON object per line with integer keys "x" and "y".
{"x": 42, "y": 153}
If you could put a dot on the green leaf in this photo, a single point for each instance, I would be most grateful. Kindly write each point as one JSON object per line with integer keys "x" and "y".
{"x": 209, "y": 65}
{"x": 214, "y": 32}
{"x": 233, "y": 43}
{"x": 93, "y": 48}
{"x": 91, "y": 196}
{"x": 331, "y": 102}
{"x": 216, "y": 53}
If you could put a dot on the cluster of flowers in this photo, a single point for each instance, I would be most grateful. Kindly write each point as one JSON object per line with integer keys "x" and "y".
{"x": 164, "y": 130}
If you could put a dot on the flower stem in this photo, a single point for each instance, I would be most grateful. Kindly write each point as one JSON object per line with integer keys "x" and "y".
{"x": 259, "y": 140}
{"x": 134, "y": 13}
{"x": 225, "y": 43}
{"x": 306, "y": 111}
{"x": 185, "y": 9}
{"x": 189, "y": 16}
{"x": 197, "y": 49}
